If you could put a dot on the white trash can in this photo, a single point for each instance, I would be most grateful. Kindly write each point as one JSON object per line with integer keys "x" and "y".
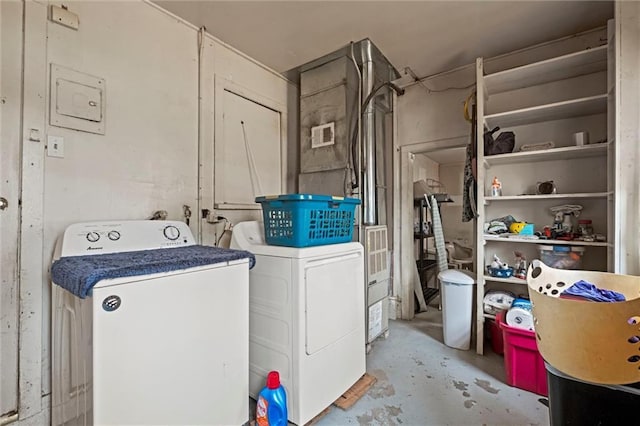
{"x": 456, "y": 287}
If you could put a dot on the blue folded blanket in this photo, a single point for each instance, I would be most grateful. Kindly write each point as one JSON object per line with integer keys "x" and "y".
{"x": 78, "y": 274}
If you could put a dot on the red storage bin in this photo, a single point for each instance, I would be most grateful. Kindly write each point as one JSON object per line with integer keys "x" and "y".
{"x": 497, "y": 340}
{"x": 523, "y": 364}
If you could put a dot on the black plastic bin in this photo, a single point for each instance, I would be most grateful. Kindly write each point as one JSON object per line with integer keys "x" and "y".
{"x": 574, "y": 402}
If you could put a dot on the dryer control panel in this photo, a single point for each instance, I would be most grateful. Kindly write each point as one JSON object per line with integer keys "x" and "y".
{"x": 88, "y": 238}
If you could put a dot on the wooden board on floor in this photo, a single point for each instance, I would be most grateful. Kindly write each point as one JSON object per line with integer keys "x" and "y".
{"x": 317, "y": 418}
{"x": 356, "y": 391}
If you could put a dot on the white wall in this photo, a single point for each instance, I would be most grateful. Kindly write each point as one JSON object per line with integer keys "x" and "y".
{"x": 10, "y": 99}
{"x": 628, "y": 134}
{"x": 425, "y": 168}
{"x": 437, "y": 114}
{"x": 226, "y": 69}
{"x": 454, "y": 228}
{"x": 148, "y": 158}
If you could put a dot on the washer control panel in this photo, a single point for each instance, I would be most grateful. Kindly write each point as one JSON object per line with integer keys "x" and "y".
{"x": 171, "y": 232}
{"x": 114, "y": 237}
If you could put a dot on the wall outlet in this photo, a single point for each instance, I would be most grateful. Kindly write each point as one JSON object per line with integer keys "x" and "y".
{"x": 55, "y": 146}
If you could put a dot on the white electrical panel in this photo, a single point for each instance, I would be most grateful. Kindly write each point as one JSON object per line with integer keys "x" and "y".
{"x": 77, "y": 100}
{"x": 323, "y": 135}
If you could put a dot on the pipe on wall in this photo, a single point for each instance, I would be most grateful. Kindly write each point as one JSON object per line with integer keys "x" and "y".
{"x": 368, "y": 138}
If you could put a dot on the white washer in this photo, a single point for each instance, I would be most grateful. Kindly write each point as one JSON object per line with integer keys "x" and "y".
{"x": 173, "y": 352}
{"x": 306, "y": 319}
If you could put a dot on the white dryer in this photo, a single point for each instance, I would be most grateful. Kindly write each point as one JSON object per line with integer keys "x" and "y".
{"x": 160, "y": 338}
{"x": 306, "y": 319}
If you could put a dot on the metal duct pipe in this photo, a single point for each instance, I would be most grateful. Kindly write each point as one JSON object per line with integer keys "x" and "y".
{"x": 368, "y": 138}
{"x": 358, "y": 98}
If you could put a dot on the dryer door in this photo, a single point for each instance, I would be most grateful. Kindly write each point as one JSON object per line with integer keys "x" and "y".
{"x": 334, "y": 301}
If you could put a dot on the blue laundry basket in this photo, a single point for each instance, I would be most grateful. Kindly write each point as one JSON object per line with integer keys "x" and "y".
{"x": 305, "y": 220}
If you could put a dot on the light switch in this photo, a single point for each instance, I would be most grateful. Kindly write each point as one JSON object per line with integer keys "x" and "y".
{"x": 55, "y": 146}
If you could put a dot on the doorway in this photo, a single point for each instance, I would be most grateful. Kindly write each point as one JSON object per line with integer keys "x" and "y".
{"x": 417, "y": 161}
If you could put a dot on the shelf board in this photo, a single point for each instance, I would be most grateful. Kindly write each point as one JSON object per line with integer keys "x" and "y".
{"x": 430, "y": 294}
{"x": 564, "y": 153}
{"x": 545, "y": 242}
{"x": 548, "y": 196}
{"x": 416, "y": 235}
{"x": 559, "y": 68}
{"x": 554, "y": 111}
{"x": 510, "y": 280}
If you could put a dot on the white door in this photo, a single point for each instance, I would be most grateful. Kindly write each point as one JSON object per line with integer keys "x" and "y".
{"x": 10, "y": 139}
{"x": 173, "y": 350}
{"x": 334, "y": 301}
{"x": 248, "y": 154}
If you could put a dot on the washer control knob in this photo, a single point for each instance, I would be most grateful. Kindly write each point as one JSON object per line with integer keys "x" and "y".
{"x": 113, "y": 235}
{"x": 171, "y": 232}
{"x": 92, "y": 237}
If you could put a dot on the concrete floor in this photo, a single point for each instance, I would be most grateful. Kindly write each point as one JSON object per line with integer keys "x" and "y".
{"x": 423, "y": 382}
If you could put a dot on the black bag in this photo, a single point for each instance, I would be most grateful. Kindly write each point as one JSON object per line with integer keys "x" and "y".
{"x": 503, "y": 144}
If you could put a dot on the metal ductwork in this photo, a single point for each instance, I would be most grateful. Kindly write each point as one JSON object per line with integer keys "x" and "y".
{"x": 369, "y": 214}
{"x": 345, "y": 110}
{"x": 346, "y": 121}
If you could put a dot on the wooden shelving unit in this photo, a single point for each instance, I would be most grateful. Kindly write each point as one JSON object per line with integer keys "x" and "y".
{"x": 562, "y": 67}
{"x": 554, "y": 111}
{"x": 520, "y": 165}
{"x": 520, "y": 240}
{"x": 553, "y": 154}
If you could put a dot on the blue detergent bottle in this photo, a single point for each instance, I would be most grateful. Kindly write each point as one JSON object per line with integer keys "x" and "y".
{"x": 271, "y": 408}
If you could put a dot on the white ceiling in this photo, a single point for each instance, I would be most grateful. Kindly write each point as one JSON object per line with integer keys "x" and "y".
{"x": 427, "y": 36}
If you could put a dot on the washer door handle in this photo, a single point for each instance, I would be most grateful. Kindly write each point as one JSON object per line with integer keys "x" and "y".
{"x": 3, "y": 203}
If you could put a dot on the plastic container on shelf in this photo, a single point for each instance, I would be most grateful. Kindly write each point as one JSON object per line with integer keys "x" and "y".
{"x": 585, "y": 228}
{"x": 304, "y": 220}
{"x": 523, "y": 364}
{"x": 500, "y": 272}
{"x": 561, "y": 257}
{"x": 519, "y": 314}
{"x": 495, "y": 301}
{"x": 497, "y": 338}
{"x": 496, "y": 187}
{"x": 497, "y": 342}
{"x": 457, "y": 304}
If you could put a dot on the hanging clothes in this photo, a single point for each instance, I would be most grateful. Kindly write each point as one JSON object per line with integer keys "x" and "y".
{"x": 441, "y": 252}
{"x": 469, "y": 207}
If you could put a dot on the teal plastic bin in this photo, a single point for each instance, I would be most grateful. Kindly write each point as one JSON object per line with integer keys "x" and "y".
{"x": 305, "y": 220}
